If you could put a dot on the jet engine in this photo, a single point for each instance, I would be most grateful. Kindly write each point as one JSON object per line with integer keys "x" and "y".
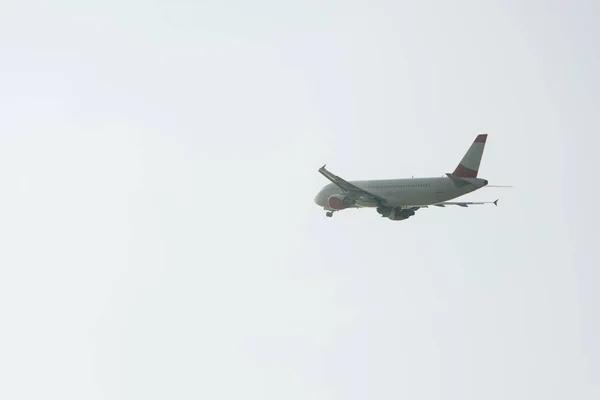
{"x": 399, "y": 214}
{"x": 339, "y": 202}
{"x": 385, "y": 211}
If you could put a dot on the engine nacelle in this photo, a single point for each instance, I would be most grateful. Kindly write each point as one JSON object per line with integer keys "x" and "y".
{"x": 385, "y": 211}
{"x": 399, "y": 214}
{"x": 339, "y": 201}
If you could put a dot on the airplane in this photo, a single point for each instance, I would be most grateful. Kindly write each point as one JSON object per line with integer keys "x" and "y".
{"x": 399, "y": 199}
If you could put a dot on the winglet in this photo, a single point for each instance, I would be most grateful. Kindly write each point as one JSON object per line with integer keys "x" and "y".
{"x": 496, "y": 202}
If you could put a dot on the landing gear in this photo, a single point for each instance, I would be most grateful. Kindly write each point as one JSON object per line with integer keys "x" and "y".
{"x": 329, "y": 214}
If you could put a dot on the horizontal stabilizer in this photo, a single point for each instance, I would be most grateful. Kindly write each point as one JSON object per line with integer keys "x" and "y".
{"x": 457, "y": 180}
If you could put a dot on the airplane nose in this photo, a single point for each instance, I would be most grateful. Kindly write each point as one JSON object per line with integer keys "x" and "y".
{"x": 485, "y": 182}
{"x": 319, "y": 199}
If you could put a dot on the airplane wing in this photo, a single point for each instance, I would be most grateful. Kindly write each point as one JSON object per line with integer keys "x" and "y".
{"x": 351, "y": 189}
{"x": 462, "y": 203}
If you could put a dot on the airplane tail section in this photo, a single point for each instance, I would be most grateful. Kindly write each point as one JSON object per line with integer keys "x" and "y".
{"x": 469, "y": 165}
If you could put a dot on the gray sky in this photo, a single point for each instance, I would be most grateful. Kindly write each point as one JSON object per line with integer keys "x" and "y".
{"x": 158, "y": 164}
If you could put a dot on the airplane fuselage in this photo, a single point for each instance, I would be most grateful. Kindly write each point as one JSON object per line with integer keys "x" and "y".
{"x": 404, "y": 192}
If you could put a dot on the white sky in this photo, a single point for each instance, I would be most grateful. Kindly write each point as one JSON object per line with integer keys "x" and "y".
{"x": 158, "y": 236}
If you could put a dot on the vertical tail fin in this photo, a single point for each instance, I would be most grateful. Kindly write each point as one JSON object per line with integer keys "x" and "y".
{"x": 469, "y": 165}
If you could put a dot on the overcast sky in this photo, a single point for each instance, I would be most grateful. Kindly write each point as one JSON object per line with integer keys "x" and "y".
{"x": 158, "y": 164}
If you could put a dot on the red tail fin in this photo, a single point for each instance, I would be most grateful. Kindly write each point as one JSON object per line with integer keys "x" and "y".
{"x": 469, "y": 165}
